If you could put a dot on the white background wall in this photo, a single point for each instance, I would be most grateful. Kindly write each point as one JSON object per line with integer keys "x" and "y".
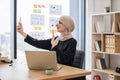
{"x": 25, "y": 9}
{"x": 115, "y": 5}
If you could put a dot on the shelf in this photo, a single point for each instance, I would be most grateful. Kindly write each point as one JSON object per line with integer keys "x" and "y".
{"x": 104, "y": 14}
{"x": 94, "y": 33}
{"x": 115, "y": 33}
{"x": 100, "y": 52}
{"x": 107, "y": 71}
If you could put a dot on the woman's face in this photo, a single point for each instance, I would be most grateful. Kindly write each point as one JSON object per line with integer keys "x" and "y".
{"x": 60, "y": 27}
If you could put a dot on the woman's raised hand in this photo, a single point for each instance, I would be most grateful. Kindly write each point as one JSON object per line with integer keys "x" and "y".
{"x": 20, "y": 29}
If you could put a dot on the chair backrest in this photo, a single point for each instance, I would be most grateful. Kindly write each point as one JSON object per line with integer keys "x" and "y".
{"x": 79, "y": 59}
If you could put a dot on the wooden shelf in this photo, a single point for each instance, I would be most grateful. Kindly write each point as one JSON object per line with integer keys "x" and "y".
{"x": 96, "y": 33}
{"x": 100, "y": 52}
{"x": 104, "y": 14}
{"x": 116, "y": 33}
{"x": 107, "y": 71}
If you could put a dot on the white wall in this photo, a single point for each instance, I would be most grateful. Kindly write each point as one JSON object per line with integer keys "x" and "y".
{"x": 25, "y": 10}
{"x": 115, "y": 5}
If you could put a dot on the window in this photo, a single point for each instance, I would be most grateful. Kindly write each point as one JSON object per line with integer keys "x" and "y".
{"x": 5, "y": 28}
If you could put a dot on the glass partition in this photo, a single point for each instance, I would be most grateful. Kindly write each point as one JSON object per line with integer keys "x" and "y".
{"x": 5, "y": 29}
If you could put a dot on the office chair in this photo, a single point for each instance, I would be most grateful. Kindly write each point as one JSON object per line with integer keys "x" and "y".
{"x": 79, "y": 59}
{"x": 78, "y": 63}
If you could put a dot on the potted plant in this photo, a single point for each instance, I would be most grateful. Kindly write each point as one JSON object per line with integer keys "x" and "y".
{"x": 49, "y": 70}
{"x": 107, "y": 8}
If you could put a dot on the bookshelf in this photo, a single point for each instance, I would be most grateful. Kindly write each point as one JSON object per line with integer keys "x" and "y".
{"x": 106, "y": 45}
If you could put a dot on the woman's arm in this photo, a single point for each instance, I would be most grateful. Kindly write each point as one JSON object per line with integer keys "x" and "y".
{"x": 44, "y": 44}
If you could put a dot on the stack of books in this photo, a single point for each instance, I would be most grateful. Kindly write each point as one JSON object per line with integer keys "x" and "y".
{"x": 100, "y": 63}
{"x": 112, "y": 43}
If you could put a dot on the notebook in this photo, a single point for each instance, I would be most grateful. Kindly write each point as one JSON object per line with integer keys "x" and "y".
{"x": 42, "y": 59}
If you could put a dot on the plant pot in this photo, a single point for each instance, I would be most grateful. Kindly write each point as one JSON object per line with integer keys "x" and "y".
{"x": 49, "y": 71}
{"x": 107, "y": 9}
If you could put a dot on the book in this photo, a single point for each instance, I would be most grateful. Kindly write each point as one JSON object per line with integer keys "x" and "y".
{"x": 113, "y": 27}
{"x": 98, "y": 63}
{"x": 103, "y": 63}
{"x": 98, "y": 45}
{"x": 119, "y": 25}
{"x": 112, "y": 77}
{"x": 99, "y": 26}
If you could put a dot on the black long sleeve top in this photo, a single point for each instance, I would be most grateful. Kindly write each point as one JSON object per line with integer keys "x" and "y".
{"x": 65, "y": 50}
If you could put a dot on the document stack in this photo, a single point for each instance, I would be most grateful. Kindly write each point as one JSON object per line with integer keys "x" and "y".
{"x": 112, "y": 43}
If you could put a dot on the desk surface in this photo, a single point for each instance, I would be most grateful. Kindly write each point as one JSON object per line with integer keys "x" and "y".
{"x": 20, "y": 71}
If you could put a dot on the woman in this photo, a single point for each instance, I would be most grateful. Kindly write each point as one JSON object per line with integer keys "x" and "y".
{"x": 64, "y": 45}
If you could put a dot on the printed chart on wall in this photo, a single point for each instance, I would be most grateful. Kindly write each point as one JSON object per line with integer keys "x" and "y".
{"x": 37, "y": 20}
{"x": 41, "y": 16}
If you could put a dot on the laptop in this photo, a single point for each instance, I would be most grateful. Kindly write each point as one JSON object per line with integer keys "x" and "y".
{"x": 42, "y": 60}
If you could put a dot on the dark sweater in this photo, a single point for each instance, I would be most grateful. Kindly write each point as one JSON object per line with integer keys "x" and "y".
{"x": 65, "y": 50}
